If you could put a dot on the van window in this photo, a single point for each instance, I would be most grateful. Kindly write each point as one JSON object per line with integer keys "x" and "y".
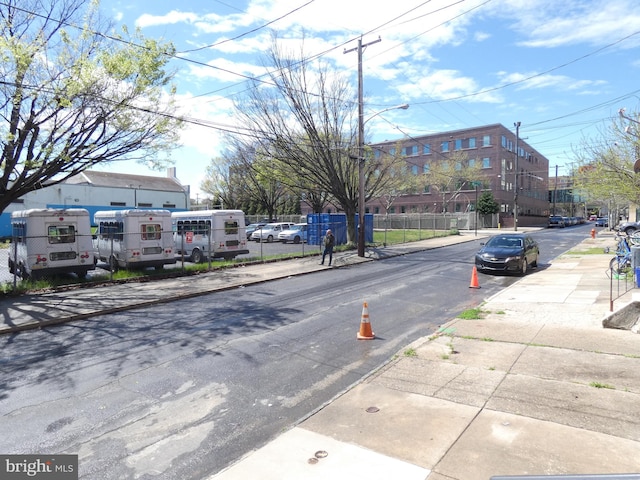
{"x": 198, "y": 227}
{"x": 61, "y": 234}
{"x": 111, "y": 230}
{"x": 151, "y": 231}
{"x": 19, "y": 232}
{"x": 231, "y": 227}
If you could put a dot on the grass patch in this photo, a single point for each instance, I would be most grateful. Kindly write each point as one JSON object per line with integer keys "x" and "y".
{"x": 471, "y": 314}
{"x": 589, "y": 251}
{"x": 410, "y": 352}
{"x": 601, "y": 385}
{"x": 392, "y": 237}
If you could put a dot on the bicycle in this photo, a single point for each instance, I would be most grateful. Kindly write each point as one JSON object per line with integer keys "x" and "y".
{"x": 621, "y": 264}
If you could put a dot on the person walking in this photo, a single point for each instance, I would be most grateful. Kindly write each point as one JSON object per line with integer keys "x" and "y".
{"x": 329, "y": 241}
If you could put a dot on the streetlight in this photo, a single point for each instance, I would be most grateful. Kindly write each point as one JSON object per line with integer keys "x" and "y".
{"x": 361, "y": 183}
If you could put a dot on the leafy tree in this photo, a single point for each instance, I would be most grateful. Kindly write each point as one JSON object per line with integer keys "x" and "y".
{"x": 487, "y": 204}
{"x": 452, "y": 175}
{"x": 605, "y": 165}
{"x": 72, "y": 97}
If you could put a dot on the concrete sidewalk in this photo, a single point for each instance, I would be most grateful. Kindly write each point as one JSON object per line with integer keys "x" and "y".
{"x": 536, "y": 386}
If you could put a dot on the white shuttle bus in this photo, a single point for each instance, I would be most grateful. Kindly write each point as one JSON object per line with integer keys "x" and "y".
{"x": 221, "y": 232}
{"x": 47, "y": 241}
{"x": 133, "y": 239}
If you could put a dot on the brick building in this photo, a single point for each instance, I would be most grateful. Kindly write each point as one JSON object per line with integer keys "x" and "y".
{"x": 493, "y": 148}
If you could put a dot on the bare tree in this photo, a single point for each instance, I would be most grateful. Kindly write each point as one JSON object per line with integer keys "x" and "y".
{"x": 308, "y": 123}
{"x": 72, "y": 97}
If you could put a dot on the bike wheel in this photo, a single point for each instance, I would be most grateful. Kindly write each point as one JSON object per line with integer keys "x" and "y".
{"x": 620, "y": 266}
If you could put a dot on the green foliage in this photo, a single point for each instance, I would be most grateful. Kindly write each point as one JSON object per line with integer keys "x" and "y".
{"x": 487, "y": 205}
{"x": 74, "y": 97}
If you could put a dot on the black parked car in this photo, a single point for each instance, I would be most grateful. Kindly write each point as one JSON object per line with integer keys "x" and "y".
{"x": 508, "y": 252}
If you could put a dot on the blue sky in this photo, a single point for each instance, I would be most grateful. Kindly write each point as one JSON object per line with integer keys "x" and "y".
{"x": 561, "y": 68}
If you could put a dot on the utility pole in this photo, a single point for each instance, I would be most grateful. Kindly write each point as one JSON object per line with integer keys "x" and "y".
{"x": 361, "y": 183}
{"x": 515, "y": 181}
{"x": 555, "y": 191}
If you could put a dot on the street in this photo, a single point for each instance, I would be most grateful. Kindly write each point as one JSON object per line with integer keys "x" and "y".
{"x": 184, "y": 389}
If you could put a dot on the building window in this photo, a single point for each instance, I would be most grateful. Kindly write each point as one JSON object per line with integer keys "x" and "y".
{"x": 486, "y": 162}
{"x": 426, "y": 149}
{"x": 472, "y": 142}
{"x": 444, "y": 146}
{"x": 426, "y": 168}
{"x": 458, "y": 144}
{"x": 392, "y": 151}
{"x": 486, "y": 140}
{"x": 414, "y": 169}
{"x": 472, "y": 162}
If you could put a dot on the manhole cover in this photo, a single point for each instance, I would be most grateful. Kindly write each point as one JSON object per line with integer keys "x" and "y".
{"x": 373, "y": 410}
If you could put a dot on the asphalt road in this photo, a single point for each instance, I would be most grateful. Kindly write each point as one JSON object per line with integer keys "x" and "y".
{"x": 182, "y": 390}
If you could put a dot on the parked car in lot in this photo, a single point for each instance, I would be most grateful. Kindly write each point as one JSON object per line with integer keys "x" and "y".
{"x": 508, "y": 252}
{"x": 270, "y": 231}
{"x": 602, "y": 222}
{"x": 556, "y": 221}
{"x": 296, "y": 233}
{"x": 252, "y": 228}
{"x": 626, "y": 227}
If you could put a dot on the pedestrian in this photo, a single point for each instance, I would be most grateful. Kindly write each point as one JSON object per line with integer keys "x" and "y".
{"x": 329, "y": 241}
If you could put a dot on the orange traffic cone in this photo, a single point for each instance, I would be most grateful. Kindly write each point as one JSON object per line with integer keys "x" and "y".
{"x": 365, "y": 332}
{"x": 474, "y": 278}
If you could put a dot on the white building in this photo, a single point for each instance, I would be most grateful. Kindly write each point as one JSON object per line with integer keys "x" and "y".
{"x": 104, "y": 191}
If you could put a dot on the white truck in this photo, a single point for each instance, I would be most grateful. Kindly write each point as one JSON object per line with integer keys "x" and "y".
{"x": 210, "y": 234}
{"x": 47, "y": 242}
{"x": 134, "y": 239}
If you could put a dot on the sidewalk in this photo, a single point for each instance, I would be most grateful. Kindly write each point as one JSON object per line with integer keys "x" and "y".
{"x": 535, "y": 387}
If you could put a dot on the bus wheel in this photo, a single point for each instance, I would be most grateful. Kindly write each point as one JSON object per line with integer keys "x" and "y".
{"x": 12, "y": 269}
{"x": 196, "y": 256}
{"x": 113, "y": 264}
{"x": 82, "y": 275}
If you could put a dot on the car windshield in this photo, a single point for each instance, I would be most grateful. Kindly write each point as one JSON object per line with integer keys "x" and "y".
{"x": 295, "y": 227}
{"x": 505, "y": 242}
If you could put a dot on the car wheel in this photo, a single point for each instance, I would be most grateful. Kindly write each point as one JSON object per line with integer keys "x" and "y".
{"x": 534, "y": 264}
{"x": 296, "y": 240}
{"x": 270, "y": 239}
{"x": 524, "y": 267}
{"x": 630, "y": 231}
{"x": 196, "y": 256}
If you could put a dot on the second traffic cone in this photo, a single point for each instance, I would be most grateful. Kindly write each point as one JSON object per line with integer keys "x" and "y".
{"x": 474, "y": 278}
{"x": 365, "y": 332}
